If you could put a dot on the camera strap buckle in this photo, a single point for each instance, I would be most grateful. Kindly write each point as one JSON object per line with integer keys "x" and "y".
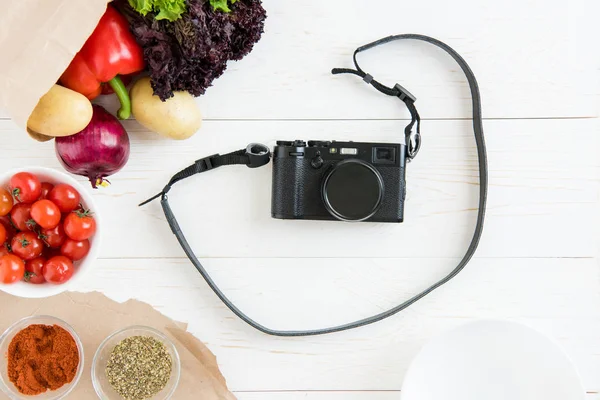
{"x": 205, "y": 164}
{"x": 404, "y": 94}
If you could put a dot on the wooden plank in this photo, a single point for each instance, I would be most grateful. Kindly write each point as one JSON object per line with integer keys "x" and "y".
{"x": 543, "y": 186}
{"x": 389, "y": 395}
{"x": 556, "y": 296}
{"x": 532, "y": 63}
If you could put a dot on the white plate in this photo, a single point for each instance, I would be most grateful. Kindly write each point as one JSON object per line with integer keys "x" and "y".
{"x": 492, "y": 360}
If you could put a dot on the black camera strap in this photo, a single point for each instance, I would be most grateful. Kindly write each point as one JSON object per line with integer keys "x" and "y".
{"x": 413, "y": 142}
{"x": 256, "y": 155}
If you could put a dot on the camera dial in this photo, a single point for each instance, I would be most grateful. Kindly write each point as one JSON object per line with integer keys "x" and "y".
{"x": 317, "y": 161}
{"x": 353, "y": 190}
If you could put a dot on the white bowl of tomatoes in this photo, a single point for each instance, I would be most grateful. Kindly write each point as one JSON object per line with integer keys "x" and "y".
{"x": 49, "y": 232}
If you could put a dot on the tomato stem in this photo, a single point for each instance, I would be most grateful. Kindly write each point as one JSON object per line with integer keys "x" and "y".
{"x": 81, "y": 213}
{"x": 17, "y": 193}
{"x": 43, "y": 238}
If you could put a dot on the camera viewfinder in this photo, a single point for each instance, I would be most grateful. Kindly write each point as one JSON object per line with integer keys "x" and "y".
{"x": 384, "y": 155}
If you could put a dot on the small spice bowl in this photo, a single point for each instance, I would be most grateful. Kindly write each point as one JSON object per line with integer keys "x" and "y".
{"x": 8, "y": 387}
{"x": 101, "y": 384}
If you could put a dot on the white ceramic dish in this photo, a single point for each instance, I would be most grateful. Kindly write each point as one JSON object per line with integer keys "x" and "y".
{"x": 103, "y": 388}
{"x": 492, "y": 360}
{"x": 24, "y": 289}
{"x": 8, "y": 388}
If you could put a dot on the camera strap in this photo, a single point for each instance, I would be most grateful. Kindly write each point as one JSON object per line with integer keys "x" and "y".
{"x": 256, "y": 155}
{"x": 413, "y": 142}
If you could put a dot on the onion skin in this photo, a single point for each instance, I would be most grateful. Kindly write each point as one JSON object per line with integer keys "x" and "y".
{"x": 99, "y": 150}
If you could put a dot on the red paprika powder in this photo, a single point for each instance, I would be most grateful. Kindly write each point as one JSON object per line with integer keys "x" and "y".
{"x": 42, "y": 357}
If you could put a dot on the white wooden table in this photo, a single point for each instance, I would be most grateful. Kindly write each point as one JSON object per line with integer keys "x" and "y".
{"x": 537, "y": 65}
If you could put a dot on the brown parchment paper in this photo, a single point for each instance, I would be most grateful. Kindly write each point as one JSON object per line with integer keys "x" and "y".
{"x": 94, "y": 317}
{"x": 38, "y": 40}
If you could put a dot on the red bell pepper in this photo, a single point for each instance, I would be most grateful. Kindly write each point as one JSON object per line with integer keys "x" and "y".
{"x": 110, "y": 50}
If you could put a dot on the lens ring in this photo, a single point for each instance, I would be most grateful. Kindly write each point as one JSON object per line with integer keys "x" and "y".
{"x": 373, "y": 206}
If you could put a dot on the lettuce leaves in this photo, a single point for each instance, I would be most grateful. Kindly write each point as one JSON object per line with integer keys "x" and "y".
{"x": 170, "y": 10}
{"x": 191, "y": 53}
{"x": 221, "y": 5}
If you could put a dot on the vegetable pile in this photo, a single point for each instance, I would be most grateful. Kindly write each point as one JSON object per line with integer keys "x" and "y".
{"x": 43, "y": 230}
{"x": 183, "y": 45}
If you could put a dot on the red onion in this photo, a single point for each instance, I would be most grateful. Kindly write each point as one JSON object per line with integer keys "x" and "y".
{"x": 99, "y": 150}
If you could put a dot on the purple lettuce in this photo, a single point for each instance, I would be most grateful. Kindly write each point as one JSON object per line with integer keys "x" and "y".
{"x": 190, "y": 53}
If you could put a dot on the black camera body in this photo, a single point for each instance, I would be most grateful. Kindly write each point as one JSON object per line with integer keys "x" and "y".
{"x": 347, "y": 181}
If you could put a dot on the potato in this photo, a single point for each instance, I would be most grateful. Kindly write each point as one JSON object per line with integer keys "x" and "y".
{"x": 177, "y": 118}
{"x": 60, "y": 112}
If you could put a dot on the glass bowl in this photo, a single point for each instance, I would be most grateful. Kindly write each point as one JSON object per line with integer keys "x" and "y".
{"x": 7, "y": 386}
{"x": 103, "y": 388}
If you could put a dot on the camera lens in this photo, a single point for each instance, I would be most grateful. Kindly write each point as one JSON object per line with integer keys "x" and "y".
{"x": 353, "y": 190}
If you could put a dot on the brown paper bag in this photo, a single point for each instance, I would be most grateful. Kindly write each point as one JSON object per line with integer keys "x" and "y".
{"x": 94, "y": 317}
{"x": 38, "y": 40}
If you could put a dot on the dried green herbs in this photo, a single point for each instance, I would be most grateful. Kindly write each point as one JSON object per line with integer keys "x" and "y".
{"x": 139, "y": 367}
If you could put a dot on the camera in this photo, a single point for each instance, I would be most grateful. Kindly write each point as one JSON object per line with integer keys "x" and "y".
{"x": 346, "y": 181}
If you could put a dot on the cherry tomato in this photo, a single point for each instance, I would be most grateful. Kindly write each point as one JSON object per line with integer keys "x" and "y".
{"x": 26, "y": 187}
{"x": 27, "y": 245}
{"x": 58, "y": 269}
{"x": 53, "y": 237}
{"x": 34, "y": 270}
{"x": 12, "y": 269}
{"x": 65, "y": 197}
{"x": 3, "y": 234}
{"x": 80, "y": 225}
{"x": 20, "y": 216}
{"x": 6, "y": 202}
{"x": 46, "y": 188}
{"x": 8, "y": 226}
{"x": 4, "y": 250}
{"x": 75, "y": 250}
{"x": 45, "y": 213}
{"x": 49, "y": 252}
